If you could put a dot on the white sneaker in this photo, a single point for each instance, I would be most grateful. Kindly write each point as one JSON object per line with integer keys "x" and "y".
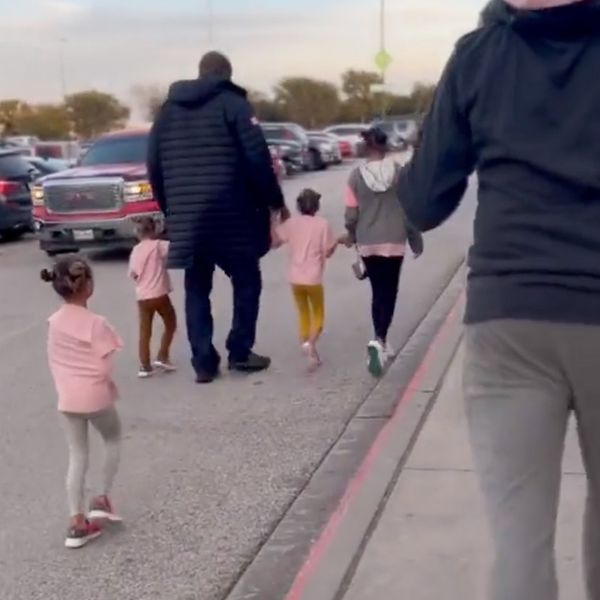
{"x": 310, "y": 351}
{"x": 168, "y": 367}
{"x": 377, "y": 359}
{"x": 390, "y": 353}
{"x": 145, "y": 373}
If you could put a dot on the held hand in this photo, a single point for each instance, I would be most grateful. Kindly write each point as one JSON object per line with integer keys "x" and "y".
{"x": 284, "y": 214}
{"x": 346, "y": 240}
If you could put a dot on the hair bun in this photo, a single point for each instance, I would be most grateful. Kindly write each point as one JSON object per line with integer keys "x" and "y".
{"x": 47, "y": 276}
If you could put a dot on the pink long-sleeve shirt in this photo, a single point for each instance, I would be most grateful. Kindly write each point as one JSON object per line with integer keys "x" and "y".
{"x": 80, "y": 348}
{"x": 148, "y": 268}
{"x": 310, "y": 241}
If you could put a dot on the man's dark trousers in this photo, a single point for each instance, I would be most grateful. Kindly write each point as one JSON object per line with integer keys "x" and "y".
{"x": 244, "y": 272}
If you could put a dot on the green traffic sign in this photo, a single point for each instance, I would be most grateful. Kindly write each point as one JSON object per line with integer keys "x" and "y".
{"x": 383, "y": 60}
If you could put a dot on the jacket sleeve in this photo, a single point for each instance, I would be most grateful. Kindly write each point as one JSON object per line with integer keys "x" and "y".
{"x": 155, "y": 174}
{"x": 352, "y": 212}
{"x": 415, "y": 239}
{"x": 432, "y": 185}
{"x": 256, "y": 157}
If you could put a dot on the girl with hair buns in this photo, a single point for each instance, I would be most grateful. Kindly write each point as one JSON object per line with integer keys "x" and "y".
{"x": 80, "y": 349}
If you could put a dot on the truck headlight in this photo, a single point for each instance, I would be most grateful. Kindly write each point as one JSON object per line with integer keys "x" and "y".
{"x": 138, "y": 191}
{"x": 37, "y": 195}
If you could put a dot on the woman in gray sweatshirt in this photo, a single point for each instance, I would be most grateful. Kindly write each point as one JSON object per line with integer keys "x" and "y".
{"x": 377, "y": 224}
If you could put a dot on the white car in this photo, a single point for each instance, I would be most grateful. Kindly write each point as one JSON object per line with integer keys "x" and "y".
{"x": 350, "y": 133}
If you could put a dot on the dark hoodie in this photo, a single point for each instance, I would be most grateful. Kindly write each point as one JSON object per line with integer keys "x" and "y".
{"x": 212, "y": 173}
{"x": 519, "y": 103}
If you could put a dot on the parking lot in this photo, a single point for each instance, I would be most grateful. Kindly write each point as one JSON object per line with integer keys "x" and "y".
{"x": 207, "y": 471}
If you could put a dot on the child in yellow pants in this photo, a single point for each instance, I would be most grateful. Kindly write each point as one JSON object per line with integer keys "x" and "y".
{"x": 310, "y": 242}
{"x": 310, "y": 300}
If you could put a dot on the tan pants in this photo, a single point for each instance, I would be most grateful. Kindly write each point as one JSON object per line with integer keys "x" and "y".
{"x": 147, "y": 310}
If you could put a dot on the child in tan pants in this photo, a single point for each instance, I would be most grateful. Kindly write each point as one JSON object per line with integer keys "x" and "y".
{"x": 147, "y": 267}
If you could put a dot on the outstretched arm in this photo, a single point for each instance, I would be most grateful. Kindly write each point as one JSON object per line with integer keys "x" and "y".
{"x": 351, "y": 214}
{"x": 432, "y": 185}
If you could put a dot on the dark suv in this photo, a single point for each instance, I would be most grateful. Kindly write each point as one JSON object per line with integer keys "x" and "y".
{"x": 297, "y": 150}
{"x": 15, "y": 196}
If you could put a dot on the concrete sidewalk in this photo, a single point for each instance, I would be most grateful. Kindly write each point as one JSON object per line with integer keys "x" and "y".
{"x": 431, "y": 540}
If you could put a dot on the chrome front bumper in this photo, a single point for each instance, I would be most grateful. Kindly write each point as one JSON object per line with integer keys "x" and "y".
{"x": 70, "y": 236}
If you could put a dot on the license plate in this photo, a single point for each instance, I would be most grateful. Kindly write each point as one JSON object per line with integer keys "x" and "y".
{"x": 83, "y": 235}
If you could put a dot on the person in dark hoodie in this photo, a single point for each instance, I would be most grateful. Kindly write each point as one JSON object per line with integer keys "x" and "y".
{"x": 211, "y": 171}
{"x": 519, "y": 104}
{"x": 377, "y": 225}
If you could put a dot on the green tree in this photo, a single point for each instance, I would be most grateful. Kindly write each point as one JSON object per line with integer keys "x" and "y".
{"x": 150, "y": 99}
{"x": 310, "y": 102}
{"x": 11, "y": 112}
{"x": 357, "y": 87}
{"x": 46, "y": 121}
{"x": 93, "y": 113}
{"x": 422, "y": 97}
{"x": 265, "y": 108}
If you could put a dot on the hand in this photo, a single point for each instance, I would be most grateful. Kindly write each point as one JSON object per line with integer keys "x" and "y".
{"x": 284, "y": 214}
{"x": 346, "y": 240}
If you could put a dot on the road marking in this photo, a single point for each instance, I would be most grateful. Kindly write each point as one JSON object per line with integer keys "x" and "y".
{"x": 330, "y": 530}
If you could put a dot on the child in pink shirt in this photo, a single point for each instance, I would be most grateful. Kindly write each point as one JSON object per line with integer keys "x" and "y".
{"x": 80, "y": 349}
{"x": 310, "y": 241}
{"x": 148, "y": 268}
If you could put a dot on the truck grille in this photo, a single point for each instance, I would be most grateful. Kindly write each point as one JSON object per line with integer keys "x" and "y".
{"x": 83, "y": 197}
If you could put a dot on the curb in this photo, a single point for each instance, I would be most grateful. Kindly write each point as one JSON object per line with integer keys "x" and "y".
{"x": 311, "y": 551}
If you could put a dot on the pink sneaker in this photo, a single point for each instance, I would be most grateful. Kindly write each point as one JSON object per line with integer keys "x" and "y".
{"x": 102, "y": 509}
{"x": 81, "y": 531}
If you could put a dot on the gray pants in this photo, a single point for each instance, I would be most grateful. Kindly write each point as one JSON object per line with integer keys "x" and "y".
{"x": 76, "y": 427}
{"x": 522, "y": 381}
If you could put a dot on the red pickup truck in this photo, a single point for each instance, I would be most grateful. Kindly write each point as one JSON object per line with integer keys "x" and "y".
{"x": 95, "y": 204}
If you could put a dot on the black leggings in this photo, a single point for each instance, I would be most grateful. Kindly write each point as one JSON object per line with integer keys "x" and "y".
{"x": 384, "y": 275}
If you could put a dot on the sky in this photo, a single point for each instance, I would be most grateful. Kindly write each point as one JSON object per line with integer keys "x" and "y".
{"x": 114, "y": 45}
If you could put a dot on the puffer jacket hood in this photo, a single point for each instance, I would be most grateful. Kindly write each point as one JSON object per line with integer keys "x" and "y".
{"x": 379, "y": 175}
{"x": 539, "y": 4}
{"x": 560, "y": 19}
{"x": 197, "y": 92}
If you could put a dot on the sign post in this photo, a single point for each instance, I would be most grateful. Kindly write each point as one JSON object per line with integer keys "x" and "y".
{"x": 383, "y": 59}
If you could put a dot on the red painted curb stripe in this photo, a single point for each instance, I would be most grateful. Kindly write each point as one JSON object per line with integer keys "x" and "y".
{"x": 329, "y": 533}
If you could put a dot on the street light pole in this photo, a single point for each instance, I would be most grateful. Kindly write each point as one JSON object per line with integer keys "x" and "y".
{"x": 210, "y": 22}
{"x": 61, "y": 58}
{"x": 383, "y": 49}
{"x": 382, "y": 26}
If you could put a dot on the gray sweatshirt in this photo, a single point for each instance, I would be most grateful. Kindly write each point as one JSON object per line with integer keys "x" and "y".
{"x": 379, "y": 217}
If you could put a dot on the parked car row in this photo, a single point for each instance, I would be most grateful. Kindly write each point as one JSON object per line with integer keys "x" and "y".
{"x": 302, "y": 150}
{"x": 95, "y": 203}
{"x": 16, "y": 176}
{"x": 18, "y": 173}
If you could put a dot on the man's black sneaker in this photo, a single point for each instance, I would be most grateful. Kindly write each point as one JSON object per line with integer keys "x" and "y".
{"x": 206, "y": 377}
{"x": 253, "y": 364}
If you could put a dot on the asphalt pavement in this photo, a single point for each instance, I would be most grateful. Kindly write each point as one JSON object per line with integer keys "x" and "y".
{"x": 207, "y": 472}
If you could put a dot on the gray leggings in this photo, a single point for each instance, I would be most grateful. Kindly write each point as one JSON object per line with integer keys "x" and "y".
{"x": 108, "y": 426}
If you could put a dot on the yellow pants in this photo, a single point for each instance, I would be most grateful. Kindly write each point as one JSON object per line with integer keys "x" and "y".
{"x": 310, "y": 300}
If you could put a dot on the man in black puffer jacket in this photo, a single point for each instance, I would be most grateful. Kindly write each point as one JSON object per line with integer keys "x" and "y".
{"x": 519, "y": 103}
{"x": 212, "y": 174}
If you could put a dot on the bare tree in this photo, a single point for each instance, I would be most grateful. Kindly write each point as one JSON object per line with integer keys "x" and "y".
{"x": 150, "y": 98}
